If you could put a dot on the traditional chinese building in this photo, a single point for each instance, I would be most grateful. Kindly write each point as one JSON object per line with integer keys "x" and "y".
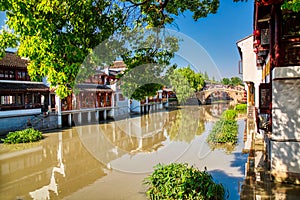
{"x": 276, "y": 42}
{"x": 20, "y": 98}
{"x": 97, "y": 97}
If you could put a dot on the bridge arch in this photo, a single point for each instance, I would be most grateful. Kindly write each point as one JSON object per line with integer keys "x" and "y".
{"x": 237, "y": 95}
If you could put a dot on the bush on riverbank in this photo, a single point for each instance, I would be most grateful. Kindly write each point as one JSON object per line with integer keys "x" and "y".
{"x": 179, "y": 181}
{"x": 229, "y": 115}
{"x": 23, "y": 136}
{"x": 225, "y": 130}
{"x": 241, "y": 108}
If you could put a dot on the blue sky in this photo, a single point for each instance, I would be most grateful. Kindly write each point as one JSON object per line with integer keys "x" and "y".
{"x": 215, "y": 36}
{"x": 218, "y": 34}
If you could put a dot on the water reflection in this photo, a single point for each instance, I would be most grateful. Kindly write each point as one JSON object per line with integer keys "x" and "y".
{"x": 127, "y": 145}
{"x": 57, "y": 167}
{"x": 44, "y": 192}
{"x": 185, "y": 124}
{"x": 109, "y": 161}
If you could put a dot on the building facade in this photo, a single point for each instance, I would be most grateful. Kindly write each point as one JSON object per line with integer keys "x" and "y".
{"x": 251, "y": 73}
{"x": 276, "y": 42}
{"x": 21, "y": 100}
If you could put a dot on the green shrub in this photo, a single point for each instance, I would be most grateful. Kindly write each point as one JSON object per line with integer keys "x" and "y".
{"x": 179, "y": 181}
{"x": 229, "y": 114}
{"x": 225, "y": 130}
{"x": 23, "y": 136}
{"x": 241, "y": 108}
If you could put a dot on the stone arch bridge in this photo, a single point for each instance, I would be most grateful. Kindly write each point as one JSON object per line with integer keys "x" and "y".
{"x": 238, "y": 95}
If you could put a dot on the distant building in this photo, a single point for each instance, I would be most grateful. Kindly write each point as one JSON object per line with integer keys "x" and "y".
{"x": 20, "y": 98}
{"x": 251, "y": 73}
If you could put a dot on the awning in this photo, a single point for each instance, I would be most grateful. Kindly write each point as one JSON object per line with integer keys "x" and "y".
{"x": 23, "y": 87}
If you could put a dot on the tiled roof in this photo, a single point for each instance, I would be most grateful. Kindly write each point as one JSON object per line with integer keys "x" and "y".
{"x": 119, "y": 64}
{"x": 13, "y": 60}
{"x": 23, "y": 87}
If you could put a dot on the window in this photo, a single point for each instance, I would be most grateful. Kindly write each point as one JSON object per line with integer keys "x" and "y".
{"x": 11, "y": 74}
{"x": 8, "y": 100}
{"x": 7, "y": 74}
{"x": 28, "y": 100}
{"x": 2, "y": 74}
{"x": 23, "y": 75}
{"x": 37, "y": 98}
{"x": 19, "y": 99}
{"x": 291, "y": 24}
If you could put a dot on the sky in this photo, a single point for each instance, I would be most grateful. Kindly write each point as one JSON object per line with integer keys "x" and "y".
{"x": 218, "y": 33}
{"x": 209, "y": 45}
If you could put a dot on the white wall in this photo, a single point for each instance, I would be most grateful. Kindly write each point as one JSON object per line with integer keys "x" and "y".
{"x": 251, "y": 73}
{"x": 285, "y": 147}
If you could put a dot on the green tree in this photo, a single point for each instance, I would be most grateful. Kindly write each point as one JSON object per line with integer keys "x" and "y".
{"x": 226, "y": 81}
{"x": 195, "y": 80}
{"x": 235, "y": 81}
{"x": 57, "y": 35}
{"x": 293, "y": 5}
{"x": 185, "y": 82}
{"x": 181, "y": 86}
{"x": 7, "y": 39}
{"x": 146, "y": 62}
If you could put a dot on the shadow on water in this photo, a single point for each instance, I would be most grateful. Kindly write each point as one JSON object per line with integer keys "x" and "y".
{"x": 239, "y": 161}
{"x": 230, "y": 183}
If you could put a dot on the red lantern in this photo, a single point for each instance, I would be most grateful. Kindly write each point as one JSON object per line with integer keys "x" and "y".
{"x": 256, "y": 32}
{"x": 255, "y": 50}
{"x": 256, "y": 42}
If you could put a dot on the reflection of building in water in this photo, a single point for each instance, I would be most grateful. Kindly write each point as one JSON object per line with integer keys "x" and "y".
{"x": 44, "y": 192}
{"x": 147, "y": 133}
{"x": 66, "y": 164}
{"x": 110, "y": 141}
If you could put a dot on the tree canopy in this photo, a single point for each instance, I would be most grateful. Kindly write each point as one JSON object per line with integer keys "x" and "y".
{"x": 185, "y": 82}
{"x": 58, "y": 35}
{"x": 195, "y": 80}
{"x": 293, "y": 5}
{"x": 234, "y": 81}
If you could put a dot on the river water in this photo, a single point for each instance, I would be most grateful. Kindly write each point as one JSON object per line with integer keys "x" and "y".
{"x": 110, "y": 160}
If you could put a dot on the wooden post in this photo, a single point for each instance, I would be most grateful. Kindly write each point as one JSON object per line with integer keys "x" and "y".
{"x": 104, "y": 100}
{"x": 89, "y": 116}
{"x": 97, "y": 115}
{"x": 79, "y": 118}
{"x": 58, "y": 106}
{"x": 70, "y": 119}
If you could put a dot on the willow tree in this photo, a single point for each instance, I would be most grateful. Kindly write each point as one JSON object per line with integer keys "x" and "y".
{"x": 58, "y": 35}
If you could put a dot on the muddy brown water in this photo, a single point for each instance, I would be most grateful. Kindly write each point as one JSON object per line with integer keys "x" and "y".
{"x": 110, "y": 160}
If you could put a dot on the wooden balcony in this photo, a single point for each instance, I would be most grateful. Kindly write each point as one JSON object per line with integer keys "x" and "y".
{"x": 290, "y": 52}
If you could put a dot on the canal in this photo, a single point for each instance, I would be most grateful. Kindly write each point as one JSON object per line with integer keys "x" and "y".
{"x": 110, "y": 160}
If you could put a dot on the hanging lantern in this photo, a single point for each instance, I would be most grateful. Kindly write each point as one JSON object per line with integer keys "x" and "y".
{"x": 256, "y": 42}
{"x": 255, "y": 50}
{"x": 256, "y": 32}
